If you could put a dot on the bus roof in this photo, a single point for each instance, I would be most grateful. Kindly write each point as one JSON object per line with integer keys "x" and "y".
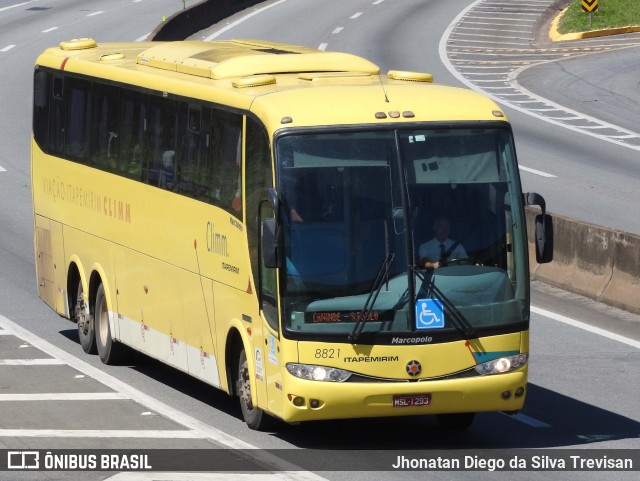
{"x": 285, "y": 85}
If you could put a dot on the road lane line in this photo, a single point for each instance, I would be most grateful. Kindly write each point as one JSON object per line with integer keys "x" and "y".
{"x": 63, "y": 396}
{"x": 31, "y": 362}
{"x": 523, "y": 418}
{"x": 17, "y": 5}
{"x": 323, "y": 46}
{"x": 196, "y": 427}
{"x": 338, "y": 30}
{"x": 534, "y": 171}
{"x": 95, "y": 13}
{"x": 451, "y": 34}
{"x": 241, "y": 20}
{"x": 49, "y": 30}
{"x": 581, "y": 325}
{"x": 138, "y": 476}
{"x": 355, "y": 15}
{"x": 99, "y": 433}
{"x": 7, "y": 48}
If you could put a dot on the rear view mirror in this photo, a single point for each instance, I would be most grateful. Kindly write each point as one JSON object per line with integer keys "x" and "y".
{"x": 269, "y": 237}
{"x": 544, "y": 238}
{"x": 544, "y": 228}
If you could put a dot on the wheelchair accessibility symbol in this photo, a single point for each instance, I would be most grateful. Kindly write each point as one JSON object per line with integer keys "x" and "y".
{"x": 429, "y": 314}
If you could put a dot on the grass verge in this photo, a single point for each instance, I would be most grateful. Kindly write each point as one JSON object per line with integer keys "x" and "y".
{"x": 610, "y": 14}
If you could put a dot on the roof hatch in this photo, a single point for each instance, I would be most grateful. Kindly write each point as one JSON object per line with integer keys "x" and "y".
{"x": 243, "y": 58}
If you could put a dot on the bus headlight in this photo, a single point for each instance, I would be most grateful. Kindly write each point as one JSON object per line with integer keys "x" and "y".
{"x": 317, "y": 373}
{"x": 502, "y": 364}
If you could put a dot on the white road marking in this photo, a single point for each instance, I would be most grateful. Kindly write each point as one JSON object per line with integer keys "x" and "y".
{"x": 100, "y": 433}
{"x": 4, "y": 333}
{"x": 241, "y": 20}
{"x": 31, "y": 362}
{"x": 338, "y": 30}
{"x": 378, "y": 2}
{"x": 49, "y": 30}
{"x": 2, "y": 169}
{"x": 512, "y": 78}
{"x": 144, "y": 37}
{"x": 197, "y": 428}
{"x": 355, "y": 15}
{"x": 16, "y": 5}
{"x": 536, "y": 423}
{"x": 7, "y": 48}
{"x": 137, "y": 476}
{"x": 95, "y": 13}
{"x": 581, "y": 325}
{"x": 323, "y": 46}
{"x": 534, "y": 171}
{"x": 63, "y": 396}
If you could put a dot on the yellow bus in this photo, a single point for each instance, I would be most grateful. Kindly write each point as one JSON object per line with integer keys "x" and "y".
{"x": 259, "y": 215}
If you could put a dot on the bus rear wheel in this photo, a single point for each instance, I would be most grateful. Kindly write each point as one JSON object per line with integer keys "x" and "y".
{"x": 455, "y": 421}
{"x": 255, "y": 417}
{"x": 85, "y": 321}
{"x": 109, "y": 350}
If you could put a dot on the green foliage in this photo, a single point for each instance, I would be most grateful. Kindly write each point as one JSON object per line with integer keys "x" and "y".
{"x": 610, "y": 14}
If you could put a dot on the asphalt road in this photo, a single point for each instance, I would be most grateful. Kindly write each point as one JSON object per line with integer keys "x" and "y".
{"x": 582, "y": 395}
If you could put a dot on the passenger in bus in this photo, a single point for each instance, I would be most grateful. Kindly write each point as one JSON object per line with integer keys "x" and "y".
{"x": 438, "y": 251}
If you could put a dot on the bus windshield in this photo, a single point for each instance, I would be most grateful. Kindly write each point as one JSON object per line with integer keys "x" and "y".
{"x": 402, "y": 232}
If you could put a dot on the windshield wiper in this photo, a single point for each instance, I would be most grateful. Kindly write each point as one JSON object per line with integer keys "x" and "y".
{"x": 371, "y": 298}
{"x": 459, "y": 321}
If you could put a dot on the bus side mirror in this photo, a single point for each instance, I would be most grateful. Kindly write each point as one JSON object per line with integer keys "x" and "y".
{"x": 544, "y": 228}
{"x": 269, "y": 238}
{"x": 544, "y": 238}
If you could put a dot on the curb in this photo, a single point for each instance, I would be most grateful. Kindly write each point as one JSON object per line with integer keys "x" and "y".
{"x": 199, "y": 16}
{"x": 556, "y": 36}
{"x": 594, "y": 261}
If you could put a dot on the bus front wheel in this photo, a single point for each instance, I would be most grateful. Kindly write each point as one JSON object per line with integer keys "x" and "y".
{"x": 85, "y": 321}
{"x": 255, "y": 417}
{"x": 109, "y": 350}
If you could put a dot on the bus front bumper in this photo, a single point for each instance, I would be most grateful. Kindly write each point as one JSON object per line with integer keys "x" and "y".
{"x": 312, "y": 400}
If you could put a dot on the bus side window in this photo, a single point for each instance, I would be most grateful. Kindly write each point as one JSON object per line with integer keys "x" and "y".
{"x": 41, "y": 90}
{"x": 132, "y": 136}
{"x": 194, "y": 173}
{"x": 105, "y": 127}
{"x": 226, "y": 160}
{"x": 258, "y": 179}
{"x": 56, "y": 117}
{"x": 78, "y": 125}
{"x": 163, "y": 120}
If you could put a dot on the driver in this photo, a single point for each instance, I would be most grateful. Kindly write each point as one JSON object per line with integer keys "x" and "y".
{"x": 438, "y": 251}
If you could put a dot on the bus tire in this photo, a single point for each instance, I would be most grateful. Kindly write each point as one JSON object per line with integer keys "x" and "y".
{"x": 85, "y": 321}
{"x": 110, "y": 351}
{"x": 455, "y": 421}
{"x": 255, "y": 417}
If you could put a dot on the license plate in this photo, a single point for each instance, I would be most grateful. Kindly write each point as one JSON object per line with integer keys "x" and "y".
{"x": 411, "y": 400}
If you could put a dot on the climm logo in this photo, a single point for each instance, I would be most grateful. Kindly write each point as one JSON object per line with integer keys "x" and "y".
{"x": 216, "y": 243}
{"x": 117, "y": 209}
